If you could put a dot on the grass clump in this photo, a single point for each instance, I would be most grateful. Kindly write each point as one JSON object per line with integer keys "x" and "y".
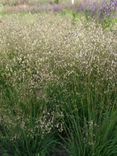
{"x": 57, "y": 83}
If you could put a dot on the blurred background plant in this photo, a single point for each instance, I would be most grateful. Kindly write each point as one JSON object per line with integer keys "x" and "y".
{"x": 97, "y": 8}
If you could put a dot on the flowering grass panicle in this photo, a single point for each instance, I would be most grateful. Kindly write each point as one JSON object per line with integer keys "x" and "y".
{"x": 57, "y": 79}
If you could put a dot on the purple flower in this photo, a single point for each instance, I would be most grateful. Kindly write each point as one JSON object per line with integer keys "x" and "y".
{"x": 113, "y": 4}
{"x": 57, "y": 8}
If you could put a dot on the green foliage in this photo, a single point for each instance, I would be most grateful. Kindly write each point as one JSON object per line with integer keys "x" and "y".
{"x": 56, "y": 1}
{"x": 57, "y": 84}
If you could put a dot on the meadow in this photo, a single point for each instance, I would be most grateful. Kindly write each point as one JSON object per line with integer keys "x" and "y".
{"x": 58, "y": 78}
